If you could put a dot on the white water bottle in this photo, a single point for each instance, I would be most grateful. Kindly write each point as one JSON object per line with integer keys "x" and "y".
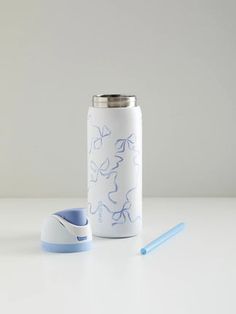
{"x": 115, "y": 166}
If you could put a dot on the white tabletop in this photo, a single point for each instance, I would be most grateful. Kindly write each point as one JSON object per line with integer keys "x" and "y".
{"x": 194, "y": 272}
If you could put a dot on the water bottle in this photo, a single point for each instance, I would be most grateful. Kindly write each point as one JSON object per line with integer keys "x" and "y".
{"x": 115, "y": 166}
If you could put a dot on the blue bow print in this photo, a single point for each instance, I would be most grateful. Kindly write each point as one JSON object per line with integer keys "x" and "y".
{"x": 120, "y": 159}
{"x": 102, "y": 169}
{"x": 100, "y": 208}
{"x": 121, "y": 216}
{"x": 122, "y": 143}
{"x": 109, "y": 195}
{"x": 97, "y": 141}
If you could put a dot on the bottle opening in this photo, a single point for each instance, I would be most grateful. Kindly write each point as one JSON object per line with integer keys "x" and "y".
{"x": 114, "y": 101}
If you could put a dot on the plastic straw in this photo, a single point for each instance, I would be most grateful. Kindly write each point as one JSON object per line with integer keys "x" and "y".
{"x": 161, "y": 239}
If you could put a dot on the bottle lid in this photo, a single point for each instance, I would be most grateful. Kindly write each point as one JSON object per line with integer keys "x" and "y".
{"x": 67, "y": 231}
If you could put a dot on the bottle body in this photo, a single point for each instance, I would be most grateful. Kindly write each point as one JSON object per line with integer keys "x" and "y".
{"x": 115, "y": 171}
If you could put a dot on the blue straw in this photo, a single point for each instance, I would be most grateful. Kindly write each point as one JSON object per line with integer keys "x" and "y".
{"x": 164, "y": 237}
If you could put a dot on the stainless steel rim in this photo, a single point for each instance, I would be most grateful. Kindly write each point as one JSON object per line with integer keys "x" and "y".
{"x": 114, "y": 101}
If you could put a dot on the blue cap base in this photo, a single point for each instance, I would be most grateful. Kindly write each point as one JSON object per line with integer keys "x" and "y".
{"x": 66, "y": 248}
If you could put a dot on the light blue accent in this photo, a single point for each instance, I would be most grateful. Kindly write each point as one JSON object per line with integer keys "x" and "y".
{"x": 164, "y": 237}
{"x": 81, "y": 238}
{"x": 66, "y": 248}
{"x": 76, "y": 216}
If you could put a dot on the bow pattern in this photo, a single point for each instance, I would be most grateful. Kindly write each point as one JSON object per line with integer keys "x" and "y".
{"x": 99, "y": 209}
{"x": 115, "y": 189}
{"x": 121, "y": 216}
{"x": 97, "y": 142}
{"x": 102, "y": 169}
{"x": 123, "y": 143}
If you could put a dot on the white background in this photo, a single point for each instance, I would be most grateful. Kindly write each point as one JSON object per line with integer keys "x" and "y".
{"x": 178, "y": 57}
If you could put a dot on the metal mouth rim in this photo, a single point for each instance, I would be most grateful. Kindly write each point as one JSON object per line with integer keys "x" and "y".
{"x": 114, "y": 101}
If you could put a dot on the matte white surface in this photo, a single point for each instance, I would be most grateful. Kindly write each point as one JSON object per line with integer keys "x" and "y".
{"x": 192, "y": 273}
{"x": 178, "y": 57}
{"x": 115, "y": 171}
